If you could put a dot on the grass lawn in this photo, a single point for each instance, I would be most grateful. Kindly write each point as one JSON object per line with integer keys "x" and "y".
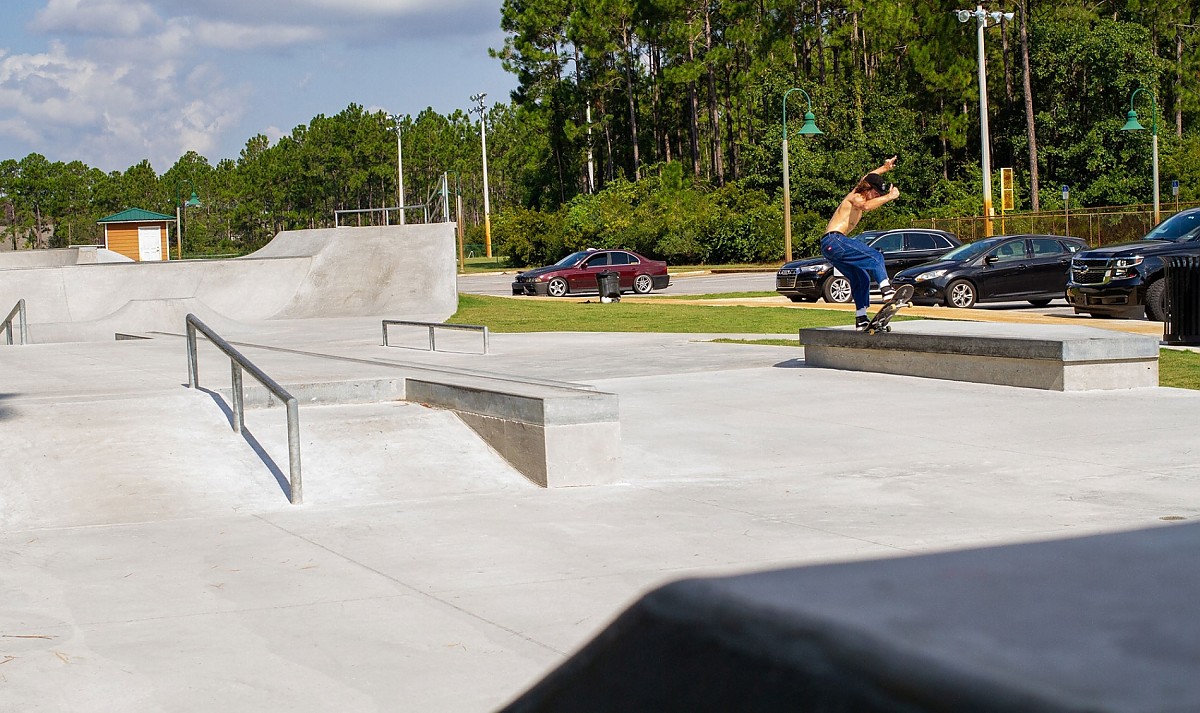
{"x": 1180, "y": 369}
{"x": 502, "y": 314}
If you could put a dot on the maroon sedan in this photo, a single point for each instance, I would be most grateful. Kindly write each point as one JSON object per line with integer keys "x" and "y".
{"x": 577, "y": 272}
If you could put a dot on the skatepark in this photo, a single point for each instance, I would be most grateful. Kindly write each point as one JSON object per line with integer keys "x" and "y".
{"x": 153, "y": 561}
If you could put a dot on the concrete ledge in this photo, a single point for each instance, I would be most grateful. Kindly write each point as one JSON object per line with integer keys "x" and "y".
{"x": 356, "y": 391}
{"x": 555, "y": 436}
{"x": 1057, "y": 358}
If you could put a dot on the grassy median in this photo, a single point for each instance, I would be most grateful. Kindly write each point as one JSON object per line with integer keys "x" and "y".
{"x": 1180, "y": 369}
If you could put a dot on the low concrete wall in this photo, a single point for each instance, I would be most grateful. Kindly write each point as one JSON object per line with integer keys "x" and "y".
{"x": 556, "y": 437}
{"x": 1066, "y": 358}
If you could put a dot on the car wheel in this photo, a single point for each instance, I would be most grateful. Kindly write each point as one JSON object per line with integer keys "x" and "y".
{"x": 642, "y": 284}
{"x": 837, "y": 289}
{"x": 1156, "y": 301}
{"x": 557, "y": 287}
{"x": 960, "y": 293}
{"x": 1039, "y": 303}
{"x": 801, "y": 298}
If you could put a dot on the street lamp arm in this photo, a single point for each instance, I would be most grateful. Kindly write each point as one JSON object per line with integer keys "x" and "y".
{"x": 1153, "y": 108}
{"x": 785, "y": 98}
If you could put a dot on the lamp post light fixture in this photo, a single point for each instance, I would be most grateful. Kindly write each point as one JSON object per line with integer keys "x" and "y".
{"x": 396, "y": 119}
{"x": 180, "y": 204}
{"x": 487, "y": 212}
{"x": 1131, "y": 124}
{"x": 981, "y": 19}
{"x": 808, "y": 128}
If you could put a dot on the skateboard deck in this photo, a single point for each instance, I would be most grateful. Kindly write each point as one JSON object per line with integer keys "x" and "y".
{"x": 879, "y": 323}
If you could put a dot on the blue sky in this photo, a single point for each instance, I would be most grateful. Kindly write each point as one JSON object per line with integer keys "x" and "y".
{"x": 112, "y": 82}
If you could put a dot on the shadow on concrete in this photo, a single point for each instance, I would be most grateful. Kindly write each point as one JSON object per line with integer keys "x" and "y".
{"x": 791, "y": 364}
{"x": 5, "y": 412}
{"x": 280, "y": 478}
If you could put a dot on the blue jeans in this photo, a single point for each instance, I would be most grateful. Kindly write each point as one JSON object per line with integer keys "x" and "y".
{"x": 859, "y": 262}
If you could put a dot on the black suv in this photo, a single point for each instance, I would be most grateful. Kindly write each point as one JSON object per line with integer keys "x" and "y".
{"x": 1127, "y": 280}
{"x": 807, "y": 279}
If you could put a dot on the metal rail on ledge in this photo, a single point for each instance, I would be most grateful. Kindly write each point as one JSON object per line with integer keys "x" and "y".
{"x": 237, "y": 363}
{"x": 434, "y": 326}
{"x": 17, "y": 311}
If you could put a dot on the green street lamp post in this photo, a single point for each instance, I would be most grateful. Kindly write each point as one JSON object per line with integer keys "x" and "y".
{"x": 1131, "y": 124}
{"x": 809, "y": 128}
{"x": 180, "y": 204}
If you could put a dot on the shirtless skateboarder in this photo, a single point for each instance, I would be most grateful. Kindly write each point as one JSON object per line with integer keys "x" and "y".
{"x": 859, "y": 262}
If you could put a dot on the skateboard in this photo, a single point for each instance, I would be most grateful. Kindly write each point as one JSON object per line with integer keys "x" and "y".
{"x": 879, "y": 323}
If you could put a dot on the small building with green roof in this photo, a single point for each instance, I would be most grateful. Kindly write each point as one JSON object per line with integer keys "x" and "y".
{"x": 138, "y": 234}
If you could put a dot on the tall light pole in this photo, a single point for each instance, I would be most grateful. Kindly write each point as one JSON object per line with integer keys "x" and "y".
{"x": 588, "y": 104}
{"x": 396, "y": 119}
{"x": 809, "y": 128}
{"x": 193, "y": 202}
{"x": 1131, "y": 124}
{"x": 981, "y": 20}
{"x": 487, "y": 212}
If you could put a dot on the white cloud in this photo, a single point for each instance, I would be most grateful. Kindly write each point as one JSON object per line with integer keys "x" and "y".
{"x": 105, "y": 113}
{"x": 229, "y": 35}
{"x": 113, "y": 18}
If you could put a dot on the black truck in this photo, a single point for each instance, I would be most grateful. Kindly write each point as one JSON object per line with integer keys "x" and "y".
{"x": 1127, "y": 280}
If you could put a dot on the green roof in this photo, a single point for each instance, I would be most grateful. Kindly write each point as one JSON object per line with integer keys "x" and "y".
{"x": 135, "y": 215}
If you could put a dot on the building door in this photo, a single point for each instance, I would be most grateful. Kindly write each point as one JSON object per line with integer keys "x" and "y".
{"x": 149, "y": 243}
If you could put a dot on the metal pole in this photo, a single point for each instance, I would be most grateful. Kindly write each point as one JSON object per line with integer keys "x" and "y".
{"x": 178, "y": 232}
{"x": 400, "y": 168}
{"x": 295, "y": 486}
{"x": 239, "y": 413}
{"x": 1154, "y": 144}
{"x": 787, "y": 196}
{"x": 591, "y": 169}
{"x": 487, "y": 210}
{"x": 984, "y": 139}
{"x": 445, "y": 198}
{"x": 193, "y": 370}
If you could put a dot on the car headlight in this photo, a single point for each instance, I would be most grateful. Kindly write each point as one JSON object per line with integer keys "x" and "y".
{"x": 1123, "y": 266}
{"x": 931, "y": 275}
{"x": 814, "y": 268}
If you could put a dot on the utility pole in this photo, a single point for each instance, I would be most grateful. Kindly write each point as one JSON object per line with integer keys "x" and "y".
{"x": 487, "y": 211}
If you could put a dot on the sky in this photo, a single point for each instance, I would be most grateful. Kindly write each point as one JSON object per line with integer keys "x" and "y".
{"x": 113, "y": 82}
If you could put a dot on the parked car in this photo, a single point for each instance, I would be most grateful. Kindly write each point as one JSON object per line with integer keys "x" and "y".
{"x": 1127, "y": 280}
{"x": 807, "y": 279}
{"x": 1000, "y": 269}
{"x": 576, "y": 273}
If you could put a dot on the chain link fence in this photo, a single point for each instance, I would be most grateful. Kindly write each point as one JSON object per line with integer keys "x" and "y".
{"x": 1108, "y": 225}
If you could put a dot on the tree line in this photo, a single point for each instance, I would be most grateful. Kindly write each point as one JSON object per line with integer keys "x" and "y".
{"x": 658, "y": 125}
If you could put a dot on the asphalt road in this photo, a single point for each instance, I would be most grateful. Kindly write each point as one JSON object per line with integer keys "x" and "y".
{"x": 499, "y": 284}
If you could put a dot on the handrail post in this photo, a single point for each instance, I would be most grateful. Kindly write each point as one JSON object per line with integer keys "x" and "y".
{"x": 17, "y": 311}
{"x": 432, "y": 346}
{"x": 24, "y": 321}
{"x": 385, "y": 324}
{"x": 239, "y": 413}
{"x": 193, "y": 369}
{"x": 295, "y": 485}
{"x": 485, "y": 339}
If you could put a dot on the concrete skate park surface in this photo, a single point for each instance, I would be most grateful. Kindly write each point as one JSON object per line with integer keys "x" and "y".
{"x": 152, "y": 562}
{"x": 299, "y": 274}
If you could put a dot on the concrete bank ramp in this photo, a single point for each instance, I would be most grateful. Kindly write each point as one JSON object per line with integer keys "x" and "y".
{"x": 81, "y": 255}
{"x": 337, "y": 272}
{"x": 134, "y": 318}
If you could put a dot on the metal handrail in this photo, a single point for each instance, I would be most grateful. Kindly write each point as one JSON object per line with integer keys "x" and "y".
{"x": 17, "y": 311}
{"x": 237, "y": 363}
{"x": 433, "y": 326}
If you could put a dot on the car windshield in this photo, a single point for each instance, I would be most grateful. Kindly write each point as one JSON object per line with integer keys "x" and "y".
{"x": 1180, "y": 227}
{"x": 572, "y": 259}
{"x": 973, "y": 250}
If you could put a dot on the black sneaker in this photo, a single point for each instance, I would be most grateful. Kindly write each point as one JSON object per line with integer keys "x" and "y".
{"x": 861, "y": 321}
{"x": 888, "y": 293}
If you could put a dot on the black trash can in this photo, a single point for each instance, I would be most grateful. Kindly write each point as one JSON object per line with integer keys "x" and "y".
{"x": 609, "y": 285}
{"x": 1183, "y": 301}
